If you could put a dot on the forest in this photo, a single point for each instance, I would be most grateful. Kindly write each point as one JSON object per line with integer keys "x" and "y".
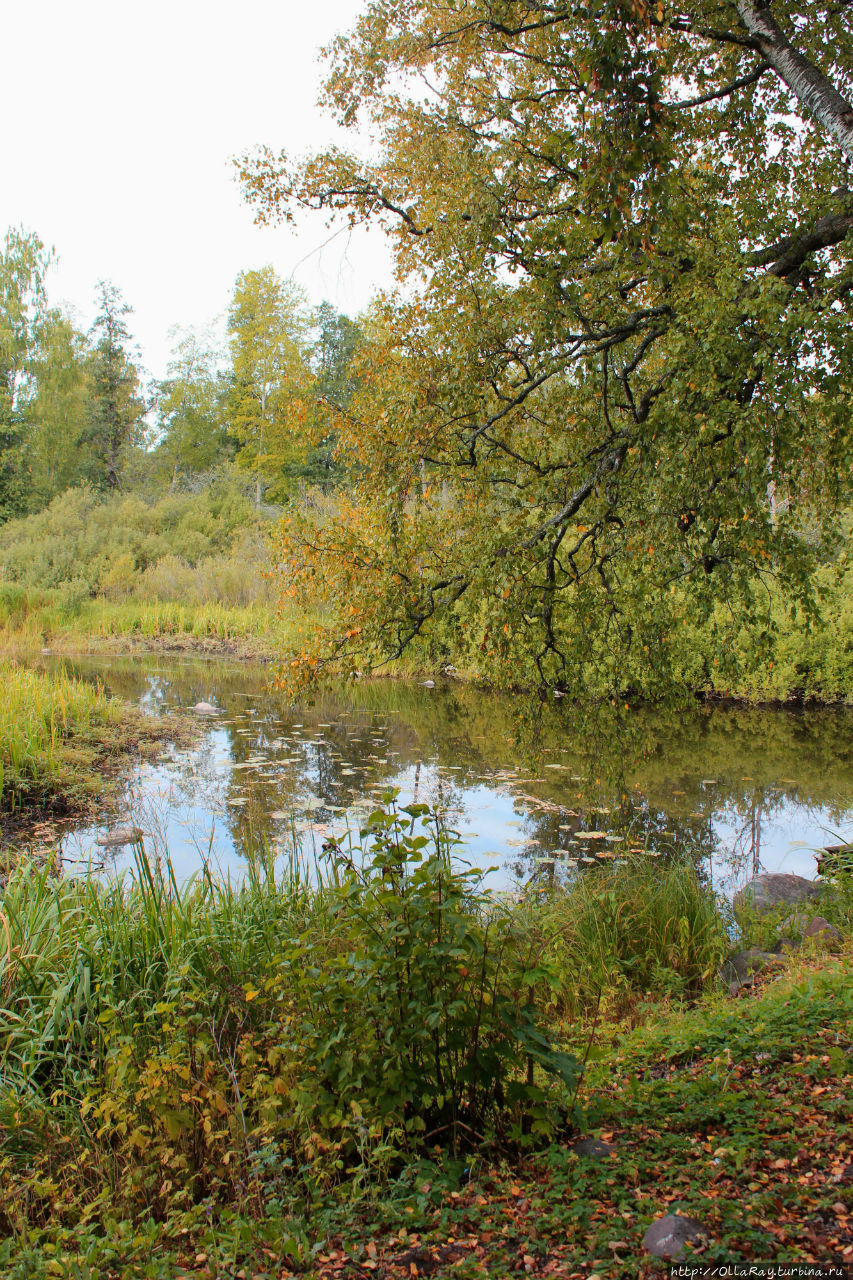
{"x": 221, "y": 503}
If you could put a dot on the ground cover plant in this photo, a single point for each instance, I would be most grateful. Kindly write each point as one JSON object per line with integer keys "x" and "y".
{"x": 373, "y": 1066}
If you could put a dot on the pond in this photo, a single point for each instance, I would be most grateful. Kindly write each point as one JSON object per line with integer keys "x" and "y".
{"x": 535, "y": 790}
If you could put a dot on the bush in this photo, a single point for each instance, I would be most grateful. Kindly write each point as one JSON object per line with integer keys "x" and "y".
{"x": 224, "y": 1042}
{"x": 105, "y": 545}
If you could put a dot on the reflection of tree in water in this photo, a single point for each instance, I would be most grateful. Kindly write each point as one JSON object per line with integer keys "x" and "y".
{"x": 665, "y": 774}
{"x": 636, "y": 828}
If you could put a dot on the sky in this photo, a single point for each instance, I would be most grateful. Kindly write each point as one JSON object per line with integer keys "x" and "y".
{"x": 121, "y": 121}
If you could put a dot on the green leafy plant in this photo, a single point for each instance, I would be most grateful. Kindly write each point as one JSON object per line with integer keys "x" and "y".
{"x": 418, "y": 1011}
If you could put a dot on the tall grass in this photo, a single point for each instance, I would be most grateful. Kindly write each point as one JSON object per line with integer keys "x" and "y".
{"x": 643, "y": 928}
{"x": 30, "y": 620}
{"x": 48, "y": 727}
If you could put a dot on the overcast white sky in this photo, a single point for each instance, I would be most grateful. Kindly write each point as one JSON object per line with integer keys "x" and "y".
{"x": 120, "y": 122}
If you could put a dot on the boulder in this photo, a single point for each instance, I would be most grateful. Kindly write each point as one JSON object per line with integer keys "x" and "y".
{"x": 742, "y": 966}
{"x": 205, "y": 709}
{"x": 593, "y": 1148}
{"x": 774, "y": 889}
{"x": 667, "y": 1237}
{"x": 809, "y": 928}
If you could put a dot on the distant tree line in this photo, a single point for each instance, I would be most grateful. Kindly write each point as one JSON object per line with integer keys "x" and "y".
{"x": 76, "y": 408}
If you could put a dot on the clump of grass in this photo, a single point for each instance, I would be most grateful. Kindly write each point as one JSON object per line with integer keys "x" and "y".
{"x": 642, "y": 928}
{"x": 49, "y": 728}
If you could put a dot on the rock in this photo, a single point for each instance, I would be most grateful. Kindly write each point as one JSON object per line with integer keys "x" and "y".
{"x": 205, "y": 709}
{"x": 742, "y": 966}
{"x": 428, "y": 684}
{"x": 667, "y": 1237}
{"x": 808, "y": 927}
{"x": 817, "y": 927}
{"x": 769, "y": 890}
{"x": 592, "y": 1148}
{"x": 120, "y": 836}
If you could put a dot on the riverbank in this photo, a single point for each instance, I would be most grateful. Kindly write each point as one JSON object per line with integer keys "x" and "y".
{"x": 808, "y": 670}
{"x": 385, "y": 1069}
{"x": 31, "y": 622}
{"x": 64, "y": 747}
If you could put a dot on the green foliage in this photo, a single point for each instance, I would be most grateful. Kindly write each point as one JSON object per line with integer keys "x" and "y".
{"x": 613, "y": 387}
{"x": 419, "y": 1004}
{"x": 267, "y": 328}
{"x": 23, "y": 263}
{"x": 646, "y": 928}
{"x": 58, "y": 416}
{"x": 194, "y": 435}
{"x": 177, "y": 1021}
{"x": 49, "y": 730}
{"x": 103, "y": 543}
{"x": 116, "y": 409}
{"x": 252, "y": 1044}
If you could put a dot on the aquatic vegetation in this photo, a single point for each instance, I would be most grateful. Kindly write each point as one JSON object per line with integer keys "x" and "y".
{"x": 48, "y": 728}
{"x": 637, "y": 929}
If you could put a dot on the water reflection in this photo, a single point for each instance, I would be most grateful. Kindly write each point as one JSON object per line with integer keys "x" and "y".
{"x": 535, "y": 790}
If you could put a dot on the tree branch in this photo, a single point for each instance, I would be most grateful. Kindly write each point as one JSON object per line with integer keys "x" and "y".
{"x": 720, "y": 93}
{"x": 813, "y": 89}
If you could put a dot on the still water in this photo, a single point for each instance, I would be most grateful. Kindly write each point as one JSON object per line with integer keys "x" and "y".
{"x": 535, "y": 791}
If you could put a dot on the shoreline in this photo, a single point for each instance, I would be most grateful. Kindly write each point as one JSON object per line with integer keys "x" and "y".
{"x": 253, "y": 650}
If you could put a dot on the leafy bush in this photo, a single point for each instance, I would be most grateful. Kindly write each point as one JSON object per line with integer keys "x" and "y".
{"x": 224, "y": 1042}
{"x": 418, "y": 1007}
{"x": 105, "y": 544}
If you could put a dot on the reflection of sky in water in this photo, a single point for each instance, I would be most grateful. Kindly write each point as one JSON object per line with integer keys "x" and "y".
{"x": 260, "y": 776}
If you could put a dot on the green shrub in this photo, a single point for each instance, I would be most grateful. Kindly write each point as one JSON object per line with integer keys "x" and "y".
{"x": 223, "y": 1041}
{"x": 418, "y": 1008}
{"x": 105, "y": 543}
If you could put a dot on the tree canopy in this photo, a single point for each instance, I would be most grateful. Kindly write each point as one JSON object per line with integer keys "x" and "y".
{"x": 615, "y": 380}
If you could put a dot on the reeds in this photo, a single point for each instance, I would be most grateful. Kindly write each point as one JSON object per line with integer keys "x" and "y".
{"x": 43, "y": 718}
{"x": 640, "y": 928}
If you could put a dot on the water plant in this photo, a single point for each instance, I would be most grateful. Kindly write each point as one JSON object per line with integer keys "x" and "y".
{"x": 639, "y": 928}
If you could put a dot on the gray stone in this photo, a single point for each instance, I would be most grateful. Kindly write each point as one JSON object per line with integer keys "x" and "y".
{"x": 813, "y": 929}
{"x": 592, "y": 1148}
{"x": 205, "y": 709}
{"x": 667, "y": 1237}
{"x": 818, "y": 927}
{"x": 742, "y": 966}
{"x": 774, "y": 889}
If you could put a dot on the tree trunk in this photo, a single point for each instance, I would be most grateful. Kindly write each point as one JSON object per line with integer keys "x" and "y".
{"x": 802, "y": 77}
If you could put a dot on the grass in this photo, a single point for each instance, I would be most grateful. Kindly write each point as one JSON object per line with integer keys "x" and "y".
{"x": 45, "y": 620}
{"x": 629, "y": 931}
{"x": 49, "y": 725}
{"x": 63, "y": 739}
{"x": 226, "y": 1080}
